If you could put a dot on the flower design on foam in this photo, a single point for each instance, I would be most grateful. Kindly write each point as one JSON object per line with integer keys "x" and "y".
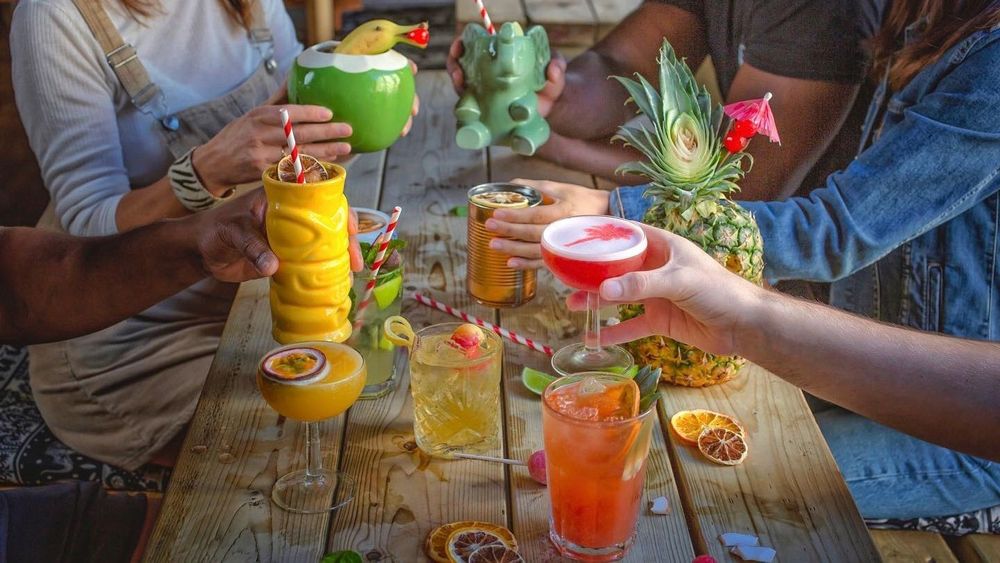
{"x": 605, "y": 232}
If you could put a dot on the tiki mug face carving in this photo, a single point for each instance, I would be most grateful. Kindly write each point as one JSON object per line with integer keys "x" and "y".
{"x": 502, "y": 75}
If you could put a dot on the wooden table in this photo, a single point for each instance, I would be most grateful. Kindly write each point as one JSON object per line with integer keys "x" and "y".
{"x": 217, "y": 508}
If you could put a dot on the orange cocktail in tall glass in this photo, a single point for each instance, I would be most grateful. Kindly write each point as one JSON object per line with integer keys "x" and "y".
{"x": 596, "y": 445}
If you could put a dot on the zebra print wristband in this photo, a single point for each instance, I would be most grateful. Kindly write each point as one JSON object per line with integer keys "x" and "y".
{"x": 188, "y": 189}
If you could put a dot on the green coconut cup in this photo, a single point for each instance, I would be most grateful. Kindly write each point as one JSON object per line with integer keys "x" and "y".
{"x": 374, "y": 93}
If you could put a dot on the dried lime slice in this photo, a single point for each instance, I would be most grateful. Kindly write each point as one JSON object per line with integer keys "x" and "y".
{"x": 313, "y": 170}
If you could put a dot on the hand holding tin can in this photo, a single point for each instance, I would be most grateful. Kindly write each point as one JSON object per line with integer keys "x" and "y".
{"x": 489, "y": 279}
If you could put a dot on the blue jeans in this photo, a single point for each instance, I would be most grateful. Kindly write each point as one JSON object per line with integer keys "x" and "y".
{"x": 893, "y": 475}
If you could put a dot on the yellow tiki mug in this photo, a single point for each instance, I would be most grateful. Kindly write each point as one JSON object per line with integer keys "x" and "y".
{"x": 307, "y": 229}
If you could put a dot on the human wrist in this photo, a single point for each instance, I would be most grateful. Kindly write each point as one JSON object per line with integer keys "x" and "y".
{"x": 204, "y": 161}
{"x": 757, "y": 312}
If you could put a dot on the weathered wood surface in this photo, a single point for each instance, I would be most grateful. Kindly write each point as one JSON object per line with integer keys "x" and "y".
{"x": 567, "y": 22}
{"x": 906, "y": 546}
{"x": 788, "y": 492}
{"x": 976, "y": 548}
{"x": 217, "y": 507}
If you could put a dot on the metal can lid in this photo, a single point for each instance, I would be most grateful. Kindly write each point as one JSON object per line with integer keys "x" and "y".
{"x": 504, "y": 195}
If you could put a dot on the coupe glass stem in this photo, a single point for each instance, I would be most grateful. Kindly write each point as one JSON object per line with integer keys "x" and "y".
{"x": 592, "y": 338}
{"x": 314, "y": 463}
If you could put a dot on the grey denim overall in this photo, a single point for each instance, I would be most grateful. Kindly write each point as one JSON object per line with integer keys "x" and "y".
{"x": 121, "y": 394}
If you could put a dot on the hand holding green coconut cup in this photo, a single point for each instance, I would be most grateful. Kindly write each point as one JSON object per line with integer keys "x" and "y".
{"x": 374, "y": 94}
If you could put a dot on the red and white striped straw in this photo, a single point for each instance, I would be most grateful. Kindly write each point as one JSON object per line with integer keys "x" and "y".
{"x": 486, "y": 17}
{"x": 293, "y": 149}
{"x": 377, "y": 265}
{"x": 510, "y": 335}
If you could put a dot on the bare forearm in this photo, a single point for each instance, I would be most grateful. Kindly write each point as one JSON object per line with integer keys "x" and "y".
{"x": 599, "y": 157}
{"x": 927, "y": 385}
{"x": 56, "y": 286}
{"x": 631, "y": 47}
{"x": 147, "y": 205}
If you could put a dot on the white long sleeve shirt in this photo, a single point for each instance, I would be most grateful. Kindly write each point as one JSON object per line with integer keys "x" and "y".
{"x": 92, "y": 144}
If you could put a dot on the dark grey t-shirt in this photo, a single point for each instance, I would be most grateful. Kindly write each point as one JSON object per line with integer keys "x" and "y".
{"x": 809, "y": 39}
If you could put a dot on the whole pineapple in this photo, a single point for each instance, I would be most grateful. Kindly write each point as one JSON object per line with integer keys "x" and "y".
{"x": 690, "y": 174}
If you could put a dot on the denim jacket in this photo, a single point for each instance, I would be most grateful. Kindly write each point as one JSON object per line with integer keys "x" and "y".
{"x": 909, "y": 232}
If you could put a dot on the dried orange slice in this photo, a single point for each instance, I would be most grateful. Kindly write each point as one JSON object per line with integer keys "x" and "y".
{"x": 436, "y": 545}
{"x": 722, "y": 446}
{"x": 313, "y": 170}
{"x": 461, "y": 543}
{"x": 495, "y": 554}
{"x": 688, "y": 425}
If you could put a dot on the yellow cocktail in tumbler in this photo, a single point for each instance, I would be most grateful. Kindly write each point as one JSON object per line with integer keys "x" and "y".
{"x": 307, "y": 229}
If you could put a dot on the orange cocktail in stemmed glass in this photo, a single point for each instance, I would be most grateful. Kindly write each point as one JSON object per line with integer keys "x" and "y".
{"x": 310, "y": 382}
{"x": 596, "y": 446}
{"x": 583, "y": 252}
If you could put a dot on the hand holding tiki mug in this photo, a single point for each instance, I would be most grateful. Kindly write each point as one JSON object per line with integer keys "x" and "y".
{"x": 307, "y": 228}
{"x": 503, "y": 72}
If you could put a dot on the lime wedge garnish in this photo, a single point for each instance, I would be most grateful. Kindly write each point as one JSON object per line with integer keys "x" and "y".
{"x": 535, "y": 380}
{"x": 387, "y": 292}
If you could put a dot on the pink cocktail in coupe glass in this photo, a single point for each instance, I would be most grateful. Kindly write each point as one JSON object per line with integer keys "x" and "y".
{"x": 583, "y": 252}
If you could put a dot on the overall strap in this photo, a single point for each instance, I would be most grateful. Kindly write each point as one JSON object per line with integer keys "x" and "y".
{"x": 260, "y": 35}
{"x": 124, "y": 61}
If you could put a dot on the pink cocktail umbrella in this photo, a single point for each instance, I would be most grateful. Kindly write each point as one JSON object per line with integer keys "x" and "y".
{"x": 757, "y": 112}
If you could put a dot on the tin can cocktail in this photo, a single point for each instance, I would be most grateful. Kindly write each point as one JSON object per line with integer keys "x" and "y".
{"x": 596, "y": 446}
{"x": 307, "y": 229}
{"x": 455, "y": 381}
{"x": 488, "y": 278}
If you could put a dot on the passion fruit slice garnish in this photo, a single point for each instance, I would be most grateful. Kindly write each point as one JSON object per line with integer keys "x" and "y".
{"x": 501, "y": 199}
{"x": 295, "y": 366}
{"x": 311, "y": 168}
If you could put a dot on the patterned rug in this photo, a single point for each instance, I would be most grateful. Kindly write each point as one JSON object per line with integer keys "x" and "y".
{"x": 31, "y": 455}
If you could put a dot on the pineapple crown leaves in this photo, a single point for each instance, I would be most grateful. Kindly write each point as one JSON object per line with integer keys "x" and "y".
{"x": 648, "y": 380}
{"x": 686, "y": 162}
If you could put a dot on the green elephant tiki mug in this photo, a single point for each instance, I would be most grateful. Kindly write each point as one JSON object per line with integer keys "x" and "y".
{"x": 503, "y": 72}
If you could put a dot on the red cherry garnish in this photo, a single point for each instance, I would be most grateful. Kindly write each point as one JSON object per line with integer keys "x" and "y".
{"x": 734, "y": 143}
{"x": 744, "y": 128}
{"x": 419, "y": 36}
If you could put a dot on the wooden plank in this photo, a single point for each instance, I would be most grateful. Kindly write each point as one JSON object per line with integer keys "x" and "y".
{"x": 660, "y": 538}
{"x": 788, "y": 492}
{"x": 218, "y": 507}
{"x": 567, "y": 22}
{"x": 610, "y": 13}
{"x": 908, "y": 546}
{"x": 403, "y": 494}
{"x": 364, "y": 179}
{"x": 500, "y": 12}
{"x": 976, "y": 548}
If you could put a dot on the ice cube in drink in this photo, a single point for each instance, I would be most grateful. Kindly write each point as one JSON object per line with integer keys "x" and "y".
{"x": 586, "y": 250}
